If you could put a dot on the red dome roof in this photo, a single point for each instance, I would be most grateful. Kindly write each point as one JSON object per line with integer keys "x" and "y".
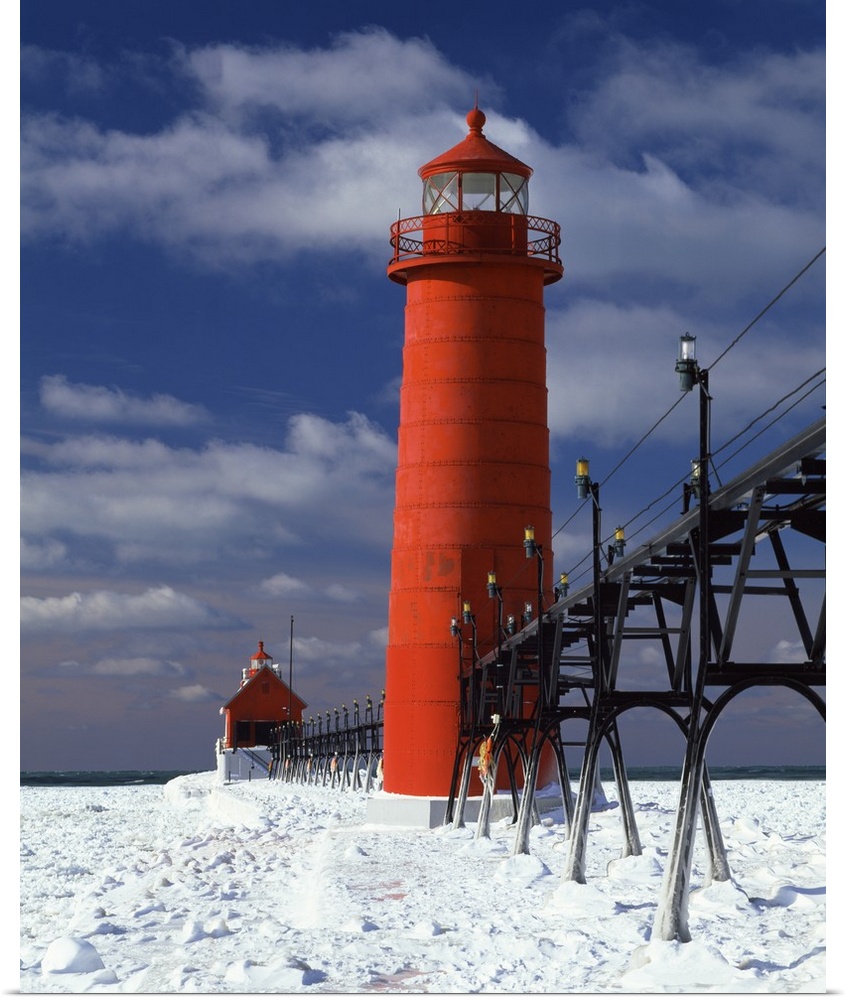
{"x": 475, "y": 153}
{"x": 261, "y": 653}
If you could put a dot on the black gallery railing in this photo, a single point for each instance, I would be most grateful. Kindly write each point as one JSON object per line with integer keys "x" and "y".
{"x": 343, "y": 751}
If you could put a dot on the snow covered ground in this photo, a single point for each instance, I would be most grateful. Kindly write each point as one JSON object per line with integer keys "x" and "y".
{"x": 260, "y": 886}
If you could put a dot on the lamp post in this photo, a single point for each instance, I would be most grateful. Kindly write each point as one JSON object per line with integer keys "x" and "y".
{"x": 586, "y": 487}
{"x": 470, "y": 619}
{"x": 466, "y": 690}
{"x": 671, "y": 915}
{"x": 691, "y": 374}
{"x": 495, "y": 591}
{"x": 291, "y": 680}
{"x": 575, "y": 865}
{"x": 468, "y": 707}
{"x": 534, "y": 550}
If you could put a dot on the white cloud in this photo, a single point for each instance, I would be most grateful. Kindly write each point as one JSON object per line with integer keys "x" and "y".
{"x": 328, "y": 654}
{"x": 364, "y": 75}
{"x": 316, "y": 437}
{"x": 193, "y": 694}
{"x": 79, "y": 74}
{"x": 319, "y": 148}
{"x": 379, "y": 637}
{"x": 138, "y": 666}
{"x": 596, "y": 345}
{"x": 103, "y": 611}
{"x": 92, "y": 182}
{"x": 283, "y": 585}
{"x": 785, "y": 651}
{"x": 99, "y": 404}
{"x": 342, "y": 592}
{"x": 333, "y": 671}
{"x": 41, "y": 555}
{"x": 146, "y": 500}
{"x": 738, "y": 118}
{"x": 626, "y": 230}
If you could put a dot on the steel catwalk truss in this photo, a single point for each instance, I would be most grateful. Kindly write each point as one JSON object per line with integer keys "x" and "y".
{"x": 764, "y": 533}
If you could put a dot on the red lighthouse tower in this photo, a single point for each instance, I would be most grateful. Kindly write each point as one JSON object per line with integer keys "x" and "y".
{"x": 473, "y": 467}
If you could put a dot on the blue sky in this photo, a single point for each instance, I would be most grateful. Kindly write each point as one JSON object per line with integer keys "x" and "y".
{"x": 211, "y": 349}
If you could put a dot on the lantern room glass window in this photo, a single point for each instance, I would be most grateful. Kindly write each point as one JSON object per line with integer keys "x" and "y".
{"x": 513, "y": 194}
{"x": 478, "y": 192}
{"x": 475, "y": 192}
{"x": 440, "y": 194}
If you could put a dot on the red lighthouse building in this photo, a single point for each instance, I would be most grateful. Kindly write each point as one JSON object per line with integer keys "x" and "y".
{"x": 473, "y": 467}
{"x": 253, "y": 715}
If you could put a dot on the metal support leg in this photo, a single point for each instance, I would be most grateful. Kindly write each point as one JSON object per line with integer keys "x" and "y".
{"x": 483, "y": 827}
{"x": 574, "y": 870}
{"x": 632, "y": 847}
{"x": 720, "y": 870}
{"x": 672, "y": 912}
{"x": 453, "y": 785}
{"x": 512, "y": 778}
{"x": 564, "y": 784}
{"x": 458, "y": 820}
{"x": 527, "y": 803}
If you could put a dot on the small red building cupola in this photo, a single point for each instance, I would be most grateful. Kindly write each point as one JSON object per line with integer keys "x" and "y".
{"x": 258, "y": 660}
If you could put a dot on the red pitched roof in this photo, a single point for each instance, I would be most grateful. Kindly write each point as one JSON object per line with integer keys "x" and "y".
{"x": 475, "y": 153}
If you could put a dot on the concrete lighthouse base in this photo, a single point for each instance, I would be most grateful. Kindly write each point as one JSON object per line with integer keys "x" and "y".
{"x": 428, "y": 812}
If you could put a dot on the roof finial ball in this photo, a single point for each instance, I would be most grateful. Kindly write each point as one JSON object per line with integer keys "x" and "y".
{"x": 476, "y": 120}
